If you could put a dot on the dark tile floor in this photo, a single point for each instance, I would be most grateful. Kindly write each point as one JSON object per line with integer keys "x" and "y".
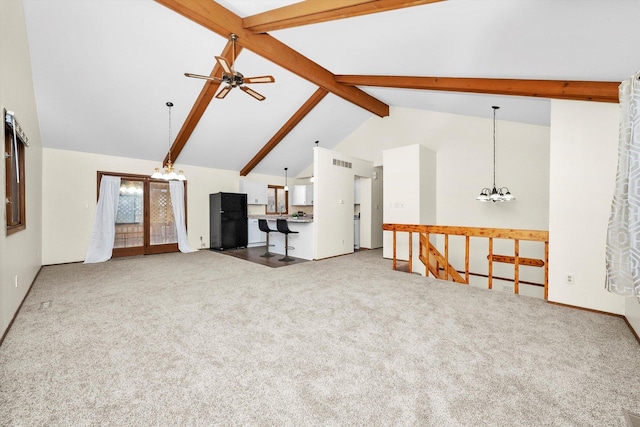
{"x": 253, "y": 254}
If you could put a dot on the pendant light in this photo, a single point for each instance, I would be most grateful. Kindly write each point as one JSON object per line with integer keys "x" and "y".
{"x": 286, "y": 187}
{"x": 169, "y": 172}
{"x": 495, "y": 194}
{"x": 313, "y": 179}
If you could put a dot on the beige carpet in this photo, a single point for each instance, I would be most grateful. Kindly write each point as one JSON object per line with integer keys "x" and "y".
{"x": 207, "y": 339}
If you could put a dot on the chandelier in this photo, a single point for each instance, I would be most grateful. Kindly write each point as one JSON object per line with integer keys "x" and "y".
{"x": 169, "y": 172}
{"x": 495, "y": 194}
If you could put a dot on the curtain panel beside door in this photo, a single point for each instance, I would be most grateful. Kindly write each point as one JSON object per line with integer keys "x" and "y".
{"x": 104, "y": 224}
{"x": 623, "y": 234}
{"x": 144, "y": 216}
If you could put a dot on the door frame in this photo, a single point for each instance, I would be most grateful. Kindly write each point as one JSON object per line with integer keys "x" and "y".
{"x": 147, "y": 248}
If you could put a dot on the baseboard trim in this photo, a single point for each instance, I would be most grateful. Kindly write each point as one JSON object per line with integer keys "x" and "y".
{"x": 635, "y": 334}
{"x": 20, "y": 306}
{"x": 633, "y": 331}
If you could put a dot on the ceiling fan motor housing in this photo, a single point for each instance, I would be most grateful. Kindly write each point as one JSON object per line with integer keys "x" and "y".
{"x": 234, "y": 80}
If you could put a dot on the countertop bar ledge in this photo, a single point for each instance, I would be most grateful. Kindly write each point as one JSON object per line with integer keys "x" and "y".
{"x": 288, "y": 218}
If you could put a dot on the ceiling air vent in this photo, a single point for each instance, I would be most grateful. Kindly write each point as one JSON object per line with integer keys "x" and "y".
{"x": 342, "y": 163}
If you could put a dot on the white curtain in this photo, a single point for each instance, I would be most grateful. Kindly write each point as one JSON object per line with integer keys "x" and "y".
{"x": 104, "y": 224}
{"x": 623, "y": 234}
{"x": 176, "y": 189}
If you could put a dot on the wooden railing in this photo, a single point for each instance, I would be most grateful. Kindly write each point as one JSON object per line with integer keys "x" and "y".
{"x": 438, "y": 264}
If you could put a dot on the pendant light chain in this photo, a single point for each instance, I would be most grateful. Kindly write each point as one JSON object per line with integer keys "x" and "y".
{"x": 169, "y": 172}
{"x": 494, "y": 146}
{"x": 170, "y": 104}
{"x": 495, "y": 194}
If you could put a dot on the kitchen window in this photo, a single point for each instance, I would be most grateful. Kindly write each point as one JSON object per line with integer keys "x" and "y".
{"x": 277, "y": 200}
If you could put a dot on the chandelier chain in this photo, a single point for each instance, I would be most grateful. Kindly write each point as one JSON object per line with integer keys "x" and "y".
{"x": 495, "y": 194}
{"x": 494, "y": 145}
{"x": 169, "y": 104}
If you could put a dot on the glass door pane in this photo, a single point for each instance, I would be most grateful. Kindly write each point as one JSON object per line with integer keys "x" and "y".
{"x": 271, "y": 200}
{"x": 161, "y": 222}
{"x": 130, "y": 215}
{"x": 281, "y": 197}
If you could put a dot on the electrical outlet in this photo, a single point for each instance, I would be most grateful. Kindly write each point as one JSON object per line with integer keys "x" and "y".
{"x": 569, "y": 280}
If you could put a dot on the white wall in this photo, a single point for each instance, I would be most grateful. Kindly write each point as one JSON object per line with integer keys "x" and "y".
{"x": 584, "y": 141}
{"x": 70, "y": 195}
{"x": 19, "y": 253}
{"x": 333, "y": 195}
{"x": 403, "y": 126}
{"x": 409, "y": 190}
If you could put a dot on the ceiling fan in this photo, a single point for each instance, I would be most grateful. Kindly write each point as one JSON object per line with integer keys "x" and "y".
{"x": 233, "y": 78}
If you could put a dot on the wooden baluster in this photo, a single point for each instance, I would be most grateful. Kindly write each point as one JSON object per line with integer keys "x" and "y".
{"x": 446, "y": 257}
{"x": 394, "y": 249}
{"x": 490, "y": 263}
{"x": 516, "y": 266}
{"x": 428, "y": 257}
{"x": 410, "y": 252}
{"x": 546, "y": 270}
{"x": 466, "y": 260}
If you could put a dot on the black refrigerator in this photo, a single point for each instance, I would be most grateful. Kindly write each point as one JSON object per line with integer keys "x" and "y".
{"x": 227, "y": 221}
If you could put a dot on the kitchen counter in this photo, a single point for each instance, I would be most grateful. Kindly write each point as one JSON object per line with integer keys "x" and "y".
{"x": 301, "y": 242}
{"x": 288, "y": 218}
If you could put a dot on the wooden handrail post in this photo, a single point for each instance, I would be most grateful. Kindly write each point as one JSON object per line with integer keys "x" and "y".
{"x": 426, "y": 267}
{"x": 466, "y": 260}
{"x": 446, "y": 257}
{"x": 546, "y": 270}
{"x": 516, "y": 267}
{"x": 394, "y": 249}
{"x": 490, "y": 263}
{"x": 410, "y": 252}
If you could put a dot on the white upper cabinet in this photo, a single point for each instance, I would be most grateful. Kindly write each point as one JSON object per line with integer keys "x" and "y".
{"x": 256, "y": 192}
{"x": 356, "y": 191}
{"x": 302, "y": 195}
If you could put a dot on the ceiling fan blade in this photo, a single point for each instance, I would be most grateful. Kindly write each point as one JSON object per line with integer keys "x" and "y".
{"x": 259, "y": 79}
{"x": 222, "y": 61}
{"x": 225, "y": 90}
{"x": 253, "y": 93}
{"x": 199, "y": 76}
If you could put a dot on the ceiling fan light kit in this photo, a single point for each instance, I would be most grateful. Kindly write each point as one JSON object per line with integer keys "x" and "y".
{"x": 495, "y": 194}
{"x": 169, "y": 173}
{"x": 232, "y": 78}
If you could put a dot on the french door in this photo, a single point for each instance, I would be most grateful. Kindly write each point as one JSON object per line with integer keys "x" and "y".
{"x": 144, "y": 221}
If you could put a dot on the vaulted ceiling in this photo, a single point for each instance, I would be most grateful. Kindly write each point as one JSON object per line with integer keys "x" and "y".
{"x": 104, "y": 69}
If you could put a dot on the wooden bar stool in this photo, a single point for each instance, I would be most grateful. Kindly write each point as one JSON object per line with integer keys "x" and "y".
{"x": 283, "y": 227}
{"x": 263, "y": 226}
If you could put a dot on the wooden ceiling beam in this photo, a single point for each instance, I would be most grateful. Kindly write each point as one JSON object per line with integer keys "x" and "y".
{"x": 285, "y": 129}
{"x": 216, "y": 18}
{"x": 207, "y": 93}
{"x": 558, "y": 89}
{"x": 314, "y": 11}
